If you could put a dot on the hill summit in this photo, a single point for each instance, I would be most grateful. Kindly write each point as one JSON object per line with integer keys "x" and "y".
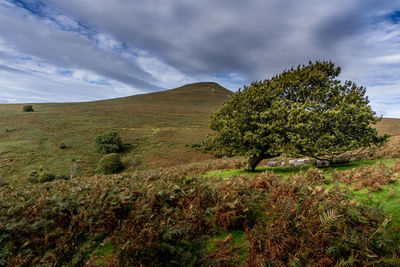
{"x": 195, "y": 92}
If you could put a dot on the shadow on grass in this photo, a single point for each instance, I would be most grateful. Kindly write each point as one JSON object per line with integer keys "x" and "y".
{"x": 126, "y": 148}
{"x": 287, "y": 171}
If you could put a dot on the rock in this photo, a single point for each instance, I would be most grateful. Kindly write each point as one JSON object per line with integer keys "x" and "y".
{"x": 322, "y": 163}
{"x": 272, "y": 163}
{"x": 297, "y": 162}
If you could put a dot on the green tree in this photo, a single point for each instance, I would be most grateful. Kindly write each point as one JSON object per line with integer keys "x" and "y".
{"x": 302, "y": 111}
{"x": 110, "y": 163}
{"x": 108, "y": 143}
{"x": 27, "y": 108}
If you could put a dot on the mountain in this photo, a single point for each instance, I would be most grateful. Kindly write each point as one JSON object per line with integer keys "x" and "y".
{"x": 154, "y": 127}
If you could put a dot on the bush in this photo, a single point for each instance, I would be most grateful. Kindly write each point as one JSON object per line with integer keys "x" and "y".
{"x": 110, "y": 163}
{"x": 62, "y": 177}
{"x": 108, "y": 143}
{"x": 62, "y": 145}
{"x": 33, "y": 177}
{"x": 46, "y": 177}
{"x": 28, "y": 108}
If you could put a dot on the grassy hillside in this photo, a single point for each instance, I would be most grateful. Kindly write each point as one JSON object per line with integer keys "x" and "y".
{"x": 154, "y": 128}
{"x": 392, "y": 127}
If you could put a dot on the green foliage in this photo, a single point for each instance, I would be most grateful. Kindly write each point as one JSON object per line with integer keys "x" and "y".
{"x": 46, "y": 177}
{"x": 302, "y": 111}
{"x": 62, "y": 177}
{"x": 27, "y": 108}
{"x": 33, "y": 177}
{"x": 43, "y": 177}
{"x": 110, "y": 163}
{"x": 108, "y": 143}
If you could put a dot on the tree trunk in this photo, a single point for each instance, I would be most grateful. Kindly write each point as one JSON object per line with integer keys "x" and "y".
{"x": 253, "y": 162}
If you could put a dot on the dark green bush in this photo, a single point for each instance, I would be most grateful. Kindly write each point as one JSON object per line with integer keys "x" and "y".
{"x": 108, "y": 143}
{"x": 62, "y": 177}
{"x": 46, "y": 177}
{"x": 33, "y": 177}
{"x": 110, "y": 163}
{"x": 62, "y": 145}
{"x": 28, "y": 108}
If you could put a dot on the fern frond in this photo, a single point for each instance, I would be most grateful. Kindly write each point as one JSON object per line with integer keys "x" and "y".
{"x": 329, "y": 218}
{"x": 351, "y": 261}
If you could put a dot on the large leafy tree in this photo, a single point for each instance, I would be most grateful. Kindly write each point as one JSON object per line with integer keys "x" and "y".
{"x": 302, "y": 111}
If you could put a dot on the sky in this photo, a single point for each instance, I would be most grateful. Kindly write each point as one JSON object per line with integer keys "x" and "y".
{"x": 82, "y": 50}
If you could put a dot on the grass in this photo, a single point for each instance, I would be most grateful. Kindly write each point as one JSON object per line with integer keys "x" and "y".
{"x": 239, "y": 243}
{"x": 288, "y": 171}
{"x": 388, "y": 199}
{"x": 154, "y": 127}
{"x": 284, "y": 171}
{"x": 103, "y": 252}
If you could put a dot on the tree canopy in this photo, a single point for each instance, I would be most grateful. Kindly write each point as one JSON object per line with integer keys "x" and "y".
{"x": 304, "y": 111}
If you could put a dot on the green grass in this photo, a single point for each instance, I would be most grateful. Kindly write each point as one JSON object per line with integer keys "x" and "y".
{"x": 288, "y": 171}
{"x": 103, "y": 251}
{"x": 238, "y": 239}
{"x": 284, "y": 171}
{"x": 388, "y": 199}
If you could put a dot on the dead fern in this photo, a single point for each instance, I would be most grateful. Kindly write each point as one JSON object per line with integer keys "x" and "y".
{"x": 329, "y": 218}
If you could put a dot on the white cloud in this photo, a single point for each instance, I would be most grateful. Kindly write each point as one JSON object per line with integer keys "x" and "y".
{"x": 122, "y": 47}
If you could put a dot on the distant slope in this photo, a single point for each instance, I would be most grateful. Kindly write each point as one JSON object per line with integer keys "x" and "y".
{"x": 392, "y": 127}
{"x": 154, "y": 126}
{"x": 389, "y": 125}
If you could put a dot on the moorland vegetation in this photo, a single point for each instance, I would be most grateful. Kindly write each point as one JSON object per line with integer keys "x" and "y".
{"x": 173, "y": 205}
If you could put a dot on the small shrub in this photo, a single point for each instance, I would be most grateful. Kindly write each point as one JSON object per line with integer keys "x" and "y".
{"x": 110, "y": 163}
{"x": 46, "y": 177}
{"x": 28, "y": 108}
{"x": 62, "y": 145}
{"x": 108, "y": 143}
{"x": 33, "y": 177}
{"x": 62, "y": 177}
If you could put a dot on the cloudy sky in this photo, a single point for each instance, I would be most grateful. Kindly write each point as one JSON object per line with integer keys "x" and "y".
{"x": 79, "y": 50}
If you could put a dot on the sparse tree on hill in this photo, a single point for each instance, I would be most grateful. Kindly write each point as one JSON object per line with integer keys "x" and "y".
{"x": 27, "y": 108}
{"x": 108, "y": 143}
{"x": 302, "y": 111}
